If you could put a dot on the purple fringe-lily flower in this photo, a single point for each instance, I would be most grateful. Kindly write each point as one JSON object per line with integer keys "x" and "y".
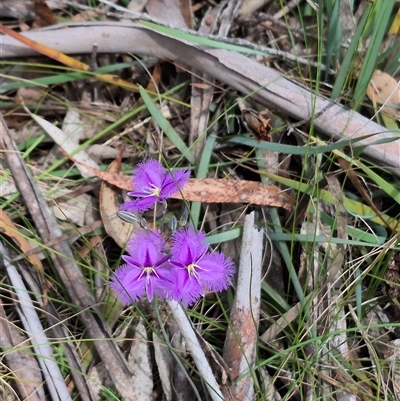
{"x": 152, "y": 184}
{"x": 146, "y": 270}
{"x": 195, "y": 270}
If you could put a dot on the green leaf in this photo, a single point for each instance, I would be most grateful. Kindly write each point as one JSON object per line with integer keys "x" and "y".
{"x": 350, "y": 56}
{"x": 301, "y": 150}
{"x": 381, "y": 14}
{"x": 204, "y": 166}
{"x": 174, "y": 33}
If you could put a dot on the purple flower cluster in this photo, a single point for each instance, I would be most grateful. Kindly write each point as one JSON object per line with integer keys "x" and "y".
{"x": 152, "y": 184}
{"x": 185, "y": 271}
{"x": 183, "y": 274}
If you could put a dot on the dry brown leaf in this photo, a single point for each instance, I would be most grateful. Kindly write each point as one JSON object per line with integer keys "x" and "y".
{"x": 85, "y": 249}
{"x": 28, "y": 96}
{"x": 44, "y": 16}
{"x": 155, "y": 79}
{"x": 187, "y": 12}
{"x": 384, "y": 89}
{"x": 214, "y": 190}
{"x": 117, "y": 229}
{"x": 8, "y": 228}
{"x": 257, "y": 124}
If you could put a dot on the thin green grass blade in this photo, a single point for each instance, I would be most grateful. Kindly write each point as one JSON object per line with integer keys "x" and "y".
{"x": 166, "y": 127}
{"x": 72, "y": 75}
{"x": 275, "y": 296}
{"x": 321, "y": 239}
{"x": 225, "y": 236}
{"x": 304, "y": 150}
{"x": 174, "y": 33}
{"x": 333, "y": 42}
{"x": 277, "y": 228}
{"x": 392, "y": 191}
{"x": 204, "y": 166}
{"x": 381, "y": 14}
{"x": 32, "y": 146}
{"x": 377, "y": 238}
{"x": 395, "y": 50}
{"x": 348, "y": 60}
